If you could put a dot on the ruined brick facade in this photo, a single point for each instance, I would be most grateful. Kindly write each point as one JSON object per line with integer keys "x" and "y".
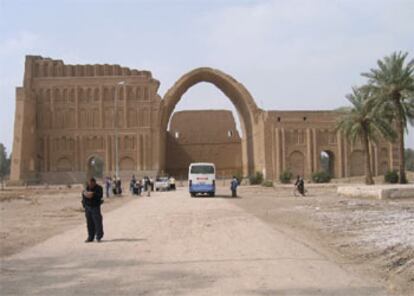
{"x": 203, "y": 136}
{"x": 66, "y": 117}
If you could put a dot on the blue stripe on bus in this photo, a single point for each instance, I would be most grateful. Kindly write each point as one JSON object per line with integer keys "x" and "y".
{"x": 202, "y": 188}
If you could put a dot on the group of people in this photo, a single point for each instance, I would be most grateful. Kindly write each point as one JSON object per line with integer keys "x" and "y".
{"x": 136, "y": 186}
{"x": 113, "y": 186}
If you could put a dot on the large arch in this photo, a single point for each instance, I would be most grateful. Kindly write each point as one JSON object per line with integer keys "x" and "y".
{"x": 238, "y": 95}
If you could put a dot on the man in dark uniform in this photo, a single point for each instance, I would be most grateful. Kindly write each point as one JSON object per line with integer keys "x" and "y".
{"x": 92, "y": 200}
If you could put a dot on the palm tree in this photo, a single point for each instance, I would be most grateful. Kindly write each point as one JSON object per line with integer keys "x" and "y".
{"x": 365, "y": 121}
{"x": 392, "y": 85}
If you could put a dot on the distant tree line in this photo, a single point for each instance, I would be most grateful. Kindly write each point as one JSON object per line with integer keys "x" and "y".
{"x": 5, "y": 161}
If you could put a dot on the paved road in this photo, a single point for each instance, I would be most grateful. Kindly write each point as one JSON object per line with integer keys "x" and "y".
{"x": 171, "y": 244}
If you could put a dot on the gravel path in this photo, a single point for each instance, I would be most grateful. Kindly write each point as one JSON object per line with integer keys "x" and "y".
{"x": 171, "y": 244}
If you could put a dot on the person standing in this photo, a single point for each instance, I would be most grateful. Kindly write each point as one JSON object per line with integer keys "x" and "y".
{"x": 132, "y": 184}
{"x": 233, "y": 186}
{"x": 137, "y": 188}
{"x": 145, "y": 183}
{"x": 91, "y": 201}
{"x": 172, "y": 183}
{"x": 113, "y": 186}
{"x": 108, "y": 184}
{"x": 300, "y": 185}
{"x": 118, "y": 186}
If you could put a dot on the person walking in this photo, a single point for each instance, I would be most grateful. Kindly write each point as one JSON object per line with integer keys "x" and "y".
{"x": 108, "y": 184}
{"x": 233, "y": 186}
{"x": 113, "y": 186}
{"x": 91, "y": 201}
{"x": 132, "y": 184}
{"x": 137, "y": 188}
{"x": 118, "y": 186}
{"x": 151, "y": 183}
{"x": 145, "y": 183}
{"x": 300, "y": 185}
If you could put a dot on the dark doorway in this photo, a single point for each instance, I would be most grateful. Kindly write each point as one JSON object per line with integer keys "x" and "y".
{"x": 327, "y": 162}
{"x": 95, "y": 167}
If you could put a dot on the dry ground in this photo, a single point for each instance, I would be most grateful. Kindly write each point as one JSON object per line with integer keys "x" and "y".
{"x": 374, "y": 236}
{"x": 31, "y": 215}
{"x": 371, "y": 239}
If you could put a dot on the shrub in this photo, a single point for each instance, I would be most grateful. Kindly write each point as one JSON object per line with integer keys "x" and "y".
{"x": 285, "y": 177}
{"x": 391, "y": 177}
{"x": 256, "y": 178}
{"x": 267, "y": 183}
{"x": 239, "y": 176}
{"x": 321, "y": 177}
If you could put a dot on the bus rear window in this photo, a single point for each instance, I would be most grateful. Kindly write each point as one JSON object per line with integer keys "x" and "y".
{"x": 202, "y": 169}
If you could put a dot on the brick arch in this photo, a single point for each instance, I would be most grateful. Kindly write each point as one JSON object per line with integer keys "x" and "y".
{"x": 237, "y": 94}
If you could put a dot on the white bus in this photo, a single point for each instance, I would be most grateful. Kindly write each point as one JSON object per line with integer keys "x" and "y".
{"x": 202, "y": 178}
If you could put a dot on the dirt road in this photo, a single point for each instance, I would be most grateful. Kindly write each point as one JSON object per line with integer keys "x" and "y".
{"x": 171, "y": 244}
{"x": 29, "y": 216}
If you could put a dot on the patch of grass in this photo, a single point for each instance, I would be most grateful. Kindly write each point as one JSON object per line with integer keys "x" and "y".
{"x": 321, "y": 177}
{"x": 285, "y": 177}
{"x": 391, "y": 177}
{"x": 267, "y": 183}
{"x": 256, "y": 179}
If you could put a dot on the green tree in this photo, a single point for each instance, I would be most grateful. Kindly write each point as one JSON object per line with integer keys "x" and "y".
{"x": 4, "y": 164}
{"x": 364, "y": 122}
{"x": 392, "y": 85}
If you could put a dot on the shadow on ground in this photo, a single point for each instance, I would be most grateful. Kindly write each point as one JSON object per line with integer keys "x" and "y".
{"x": 115, "y": 240}
{"x": 311, "y": 291}
{"x": 62, "y": 276}
{"x": 218, "y": 196}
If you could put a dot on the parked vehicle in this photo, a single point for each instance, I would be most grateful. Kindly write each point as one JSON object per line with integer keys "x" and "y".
{"x": 202, "y": 179}
{"x": 162, "y": 184}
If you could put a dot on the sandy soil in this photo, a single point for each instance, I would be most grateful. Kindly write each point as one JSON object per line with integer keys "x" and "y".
{"x": 30, "y": 215}
{"x": 374, "y": 237}
{"x": 172, "y": 244}
{"x": 219, "y": 246}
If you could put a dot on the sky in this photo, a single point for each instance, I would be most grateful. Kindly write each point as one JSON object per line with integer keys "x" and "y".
{"x": 290, "y": 54}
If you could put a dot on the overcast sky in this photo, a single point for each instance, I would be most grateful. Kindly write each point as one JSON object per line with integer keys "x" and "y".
{"x": 289, "y": 54}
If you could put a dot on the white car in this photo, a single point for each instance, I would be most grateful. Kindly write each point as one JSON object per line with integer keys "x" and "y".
{"x": 162, "y": 184}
